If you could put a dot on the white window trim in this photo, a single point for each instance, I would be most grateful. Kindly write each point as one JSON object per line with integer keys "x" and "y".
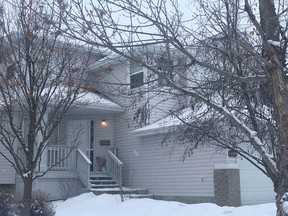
{"x": 144, "y": 70}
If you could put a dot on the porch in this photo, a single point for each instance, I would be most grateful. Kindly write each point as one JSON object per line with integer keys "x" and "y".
{"x": 67, "y": 160}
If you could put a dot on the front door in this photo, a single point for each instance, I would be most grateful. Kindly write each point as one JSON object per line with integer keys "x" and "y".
{"x": 78, "y": 134}
{"x": 81, "y": 134}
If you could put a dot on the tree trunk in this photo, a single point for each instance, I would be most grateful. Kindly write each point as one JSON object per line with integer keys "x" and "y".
{"x": 279, "y": 93}
{"x": 27, "y": 196}
{"x": 280, "y": 99}
{"x": 281, "y": 188}
{"x": 275, "y": 66}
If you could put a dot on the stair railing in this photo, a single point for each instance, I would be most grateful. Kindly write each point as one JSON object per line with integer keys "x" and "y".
{"x": 114, "y": 167}
{"x": 83, "y": 168}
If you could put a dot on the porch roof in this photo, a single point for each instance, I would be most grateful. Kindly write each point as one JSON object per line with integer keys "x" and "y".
{"x": 91, "y": 103}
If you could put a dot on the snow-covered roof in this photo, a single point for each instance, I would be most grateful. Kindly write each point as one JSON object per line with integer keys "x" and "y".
{"x": 88, "y": 103}
{"x": 165, "y": 124}
{"x": 113, "y": 58}
{"x": 85, "y": 98}
{"x": 110, "y": 60}
{"x": 93, "y": 100}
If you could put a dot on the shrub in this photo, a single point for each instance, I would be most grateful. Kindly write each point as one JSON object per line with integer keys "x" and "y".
{"x": 7, "y": 203}
{"x": 9, "y": 206}
{"x": 40, "y": 206}
{"x": 64, "y": 189}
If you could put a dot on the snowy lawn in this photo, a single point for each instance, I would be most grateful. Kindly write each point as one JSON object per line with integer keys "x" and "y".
{"x": 110, "y": 205}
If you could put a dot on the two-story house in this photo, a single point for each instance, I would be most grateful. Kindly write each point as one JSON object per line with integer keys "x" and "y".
{"x": 130, "y": 144}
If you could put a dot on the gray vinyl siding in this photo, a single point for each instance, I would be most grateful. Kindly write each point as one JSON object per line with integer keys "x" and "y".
{"x": 103, "y": 133}
{"x": 100, "y": 133}
{"x": 161, "y": 104}
{"x": 113, "y": 83}
{"x": 147, "y": 162}
{"x": 7, "y": 172}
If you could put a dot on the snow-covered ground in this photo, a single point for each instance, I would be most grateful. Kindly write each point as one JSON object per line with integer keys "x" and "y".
{"x": 110, "y": 205}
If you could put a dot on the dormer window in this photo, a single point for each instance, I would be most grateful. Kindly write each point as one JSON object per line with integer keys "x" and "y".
{"x": 136, "y": 75}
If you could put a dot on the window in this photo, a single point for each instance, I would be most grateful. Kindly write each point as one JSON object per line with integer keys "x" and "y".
{"x": 10, "y": 72}
{"x": 136, "y": 75}
{"x": 136, "y": 80}
{"x": 165, "y": 67}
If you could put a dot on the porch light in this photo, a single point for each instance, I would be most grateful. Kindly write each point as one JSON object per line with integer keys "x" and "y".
{"x": 104, "y": 123}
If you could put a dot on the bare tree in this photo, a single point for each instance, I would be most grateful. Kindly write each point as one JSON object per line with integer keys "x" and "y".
{"x": 234, "y": 76}
{"x": 41, "y": 76}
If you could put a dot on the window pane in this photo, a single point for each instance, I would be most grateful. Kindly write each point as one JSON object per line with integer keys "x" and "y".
{"x": 165, "y": 67}
{"x": 136, "y": 80}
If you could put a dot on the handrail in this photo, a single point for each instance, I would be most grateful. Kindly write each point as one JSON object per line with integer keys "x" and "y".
{"x": 114, "y": 167}
{"x": 84, "y": 156}
{"x": 114, "y": 157}
{"x": 83, "y": 168}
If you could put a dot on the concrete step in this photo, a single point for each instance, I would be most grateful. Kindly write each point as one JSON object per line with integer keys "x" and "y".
{"x": 104, "y": 183}
{"x": 99, "y": 186}
{"x": 99, "y": 174}
{"x": 100, "y": 182}
{"x": 107, "y": 178}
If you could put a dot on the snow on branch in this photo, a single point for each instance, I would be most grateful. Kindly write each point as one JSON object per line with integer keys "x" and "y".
{"x": 252, "y": 135}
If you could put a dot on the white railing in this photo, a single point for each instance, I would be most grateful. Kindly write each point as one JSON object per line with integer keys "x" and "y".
{"x": 60, "y": 157}
{"x": 57, "y": 157}
{"x": 66, "y": 158}
{"x": 83, "y": 168}
{"x": 114, "y": 166}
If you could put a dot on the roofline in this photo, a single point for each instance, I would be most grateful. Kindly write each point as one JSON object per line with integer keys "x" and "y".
{"x": 154, "y": 131}
{"x": 113, "y": 58}
{"x": 108, "y": 60}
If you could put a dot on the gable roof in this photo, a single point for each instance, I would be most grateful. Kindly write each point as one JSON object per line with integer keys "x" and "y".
{"x": 110, "y": 60}
{"x": 113, "y": 58}
{"x": 97, "y": 101}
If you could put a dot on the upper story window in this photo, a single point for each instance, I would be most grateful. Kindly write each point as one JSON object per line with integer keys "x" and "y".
{"x": 164, "y": 65}
{"x": 165, "y": 69}
{"x": 136, "y": 75}
{"x": 10, "y": 72}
